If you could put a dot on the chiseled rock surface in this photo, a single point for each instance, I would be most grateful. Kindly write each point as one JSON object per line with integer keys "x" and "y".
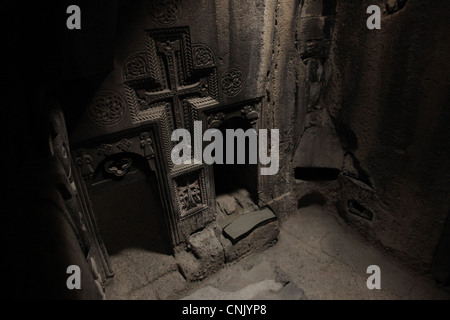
{"x": 226, "y": 203}
{"x": 316, "y": 257}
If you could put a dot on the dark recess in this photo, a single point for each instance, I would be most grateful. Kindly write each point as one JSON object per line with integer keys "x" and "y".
{"x": 354, "y": 207}
{"x": 310, "y": 199}
{"x": 329, "y": 8}
{"x": 316, "y": 174}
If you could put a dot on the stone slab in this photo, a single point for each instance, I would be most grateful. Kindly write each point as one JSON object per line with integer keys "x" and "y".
{"x": 259, "y": 239}
{"x": 247, "y": 223}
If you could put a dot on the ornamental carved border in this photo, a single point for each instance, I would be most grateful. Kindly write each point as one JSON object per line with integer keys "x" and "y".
{"x": 113, "y": 153}
{"x": 147, "y": 91}
{"x": 112, "y": 156}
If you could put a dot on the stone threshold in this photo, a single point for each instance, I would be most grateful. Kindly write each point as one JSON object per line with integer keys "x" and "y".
{"x": 245, "y": 224}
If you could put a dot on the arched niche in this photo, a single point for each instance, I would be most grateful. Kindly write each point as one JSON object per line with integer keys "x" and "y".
{"x": 126, "y": 202}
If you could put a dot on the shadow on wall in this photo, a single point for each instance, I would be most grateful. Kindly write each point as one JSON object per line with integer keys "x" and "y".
{"x": 441, "y": 261}
{"x": 310, "y": 199}
{"x": 231, "y": 177}
{"x": 316, "y": 174}
{"x": 389, "y": 93}
{"x": 129, "y": 211}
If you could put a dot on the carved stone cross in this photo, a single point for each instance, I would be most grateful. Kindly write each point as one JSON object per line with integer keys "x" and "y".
{"x": 178, "y": 87}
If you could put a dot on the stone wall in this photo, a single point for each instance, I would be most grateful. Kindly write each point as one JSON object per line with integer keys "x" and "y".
{"x": 388, "y": 98}
{"x": 289, "y": 42}
{"x": 363, "y": 114}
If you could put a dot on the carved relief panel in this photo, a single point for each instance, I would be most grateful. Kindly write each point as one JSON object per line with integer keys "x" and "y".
{"x": 169, "y": 72}
{"x": 79, "y": 213}
{"x": 249, "y": 110}
{"x": 167, "y": 86}
{"x": 191, "y": 193}
{"x": 110, "y": 155}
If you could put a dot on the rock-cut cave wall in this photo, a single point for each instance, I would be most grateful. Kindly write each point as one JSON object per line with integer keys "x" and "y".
{"x": 388, "y": 97}
{"x": 363, "y": 114}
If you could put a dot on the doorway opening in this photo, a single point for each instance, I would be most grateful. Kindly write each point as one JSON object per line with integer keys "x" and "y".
{"x": 127, "y": 205}
{"x": 236, "y": 185}
{"x": 231, "y": 177}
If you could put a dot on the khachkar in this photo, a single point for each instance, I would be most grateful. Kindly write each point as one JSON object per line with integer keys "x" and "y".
{"x": 166, "y": 86}
{"x": 169, "y": 85}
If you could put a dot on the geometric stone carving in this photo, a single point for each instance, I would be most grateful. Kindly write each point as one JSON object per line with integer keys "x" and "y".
{"x": 118, "y": 167}
{"x": 124, "y": 145}
{"x": 164, "y": 13}
{"x": 104, "y": 150}
{"x": 231, "y": 82}
{"x": 91, "y": 157}
{"x": 107, "y": 108}
{"x": 203, "y": 56}
{"x": 170, "y": 78}
{"x": 136, "y": 66}
{"x": 189, "y": 195}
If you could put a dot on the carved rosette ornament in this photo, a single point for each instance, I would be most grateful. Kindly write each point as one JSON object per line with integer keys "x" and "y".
{"x": 231, "y": 82}
{"x": 107, "y": 108}
{"x": 164, "y": 13}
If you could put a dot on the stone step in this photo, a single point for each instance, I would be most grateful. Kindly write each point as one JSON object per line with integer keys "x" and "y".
{"x": 242, "y": 226}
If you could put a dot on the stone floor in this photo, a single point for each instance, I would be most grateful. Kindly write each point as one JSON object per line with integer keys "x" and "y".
{"x": 316, "y": 257}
